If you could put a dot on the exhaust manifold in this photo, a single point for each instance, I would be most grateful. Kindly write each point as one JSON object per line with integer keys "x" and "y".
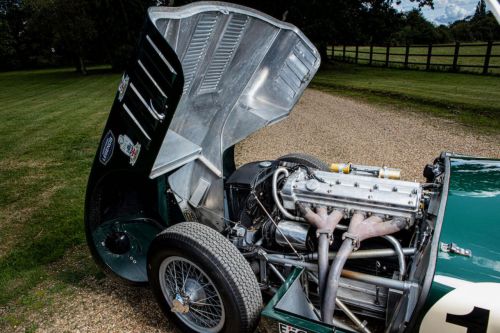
{"x": 325, "y": 225}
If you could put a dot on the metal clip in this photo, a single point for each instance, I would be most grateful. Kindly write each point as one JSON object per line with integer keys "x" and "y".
{"x": 454, "y": 248}
{"x": 354, "y": 238}
{"x": 329, "y": 233}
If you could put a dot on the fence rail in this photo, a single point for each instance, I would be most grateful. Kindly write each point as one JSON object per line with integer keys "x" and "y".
{"x": 475, "y": 57}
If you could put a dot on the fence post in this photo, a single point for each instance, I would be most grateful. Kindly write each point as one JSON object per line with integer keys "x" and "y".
{"x": 333, "y": 51}
{"x": 371, "y": 55}
{"x": 487, "y": 57}
{"x": 356, "y": 59}
{"x": 407, "y": 52}
{"x": 455, "y": 56}
{"x": 429, "y": 55}
{"x": 343, "y": 53}
{"x": 387, "y": 53}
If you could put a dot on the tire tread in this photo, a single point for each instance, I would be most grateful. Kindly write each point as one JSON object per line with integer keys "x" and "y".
{"x": 229, "y": 260}
{"x": 306, "y": 159}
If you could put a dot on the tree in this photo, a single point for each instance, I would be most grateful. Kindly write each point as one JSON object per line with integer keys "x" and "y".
{"x": 7, "y": 51}
{"x": 74, "y": 29}
{"x": 480, "y": 10}
{"x": 379, "y": 22}
{"x": 67, "y": 27}
{"x": 482, "y": 26}
{"x": 461, "y": 31}
{"x": 11, "y": 33}
{"x": 443, "y": 34}
{"x": 118, "y": 23}
{"x": 416, "y": 29}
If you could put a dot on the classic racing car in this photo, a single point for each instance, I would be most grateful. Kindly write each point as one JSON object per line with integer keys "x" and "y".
{"x": 338, "y": 246}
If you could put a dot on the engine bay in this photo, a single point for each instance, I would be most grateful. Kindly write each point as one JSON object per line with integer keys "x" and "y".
{"x": 361, "y": 235}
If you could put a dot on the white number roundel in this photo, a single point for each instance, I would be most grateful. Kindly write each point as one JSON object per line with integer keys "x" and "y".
{"x": 470, "y": 308}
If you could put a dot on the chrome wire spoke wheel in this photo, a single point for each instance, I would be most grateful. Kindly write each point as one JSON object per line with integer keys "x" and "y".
{"x": 191, "y": 294}
{"x": 184, "y": 261}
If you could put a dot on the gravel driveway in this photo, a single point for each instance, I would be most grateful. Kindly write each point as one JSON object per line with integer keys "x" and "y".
{"x": 331, "y": 127}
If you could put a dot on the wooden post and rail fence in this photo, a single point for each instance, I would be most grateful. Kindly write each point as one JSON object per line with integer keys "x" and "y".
{"x": 477, "y": 57}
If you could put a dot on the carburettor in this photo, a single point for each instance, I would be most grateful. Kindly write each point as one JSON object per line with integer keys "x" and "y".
{"x": 352, "y": 192}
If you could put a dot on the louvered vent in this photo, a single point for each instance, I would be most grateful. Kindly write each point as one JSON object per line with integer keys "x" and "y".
{"x": 224, "y": 53}
{"x": 295, "y": 70}
{"x": 197, "y": 47}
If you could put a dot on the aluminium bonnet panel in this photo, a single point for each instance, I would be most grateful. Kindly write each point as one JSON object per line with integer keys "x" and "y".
{"x": 243, "y": 70}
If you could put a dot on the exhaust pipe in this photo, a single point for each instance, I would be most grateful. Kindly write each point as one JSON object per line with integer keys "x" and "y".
{"x": 325, "y": 224}
{"x": 360, "y": 228}
{"x": 323, "y": 247}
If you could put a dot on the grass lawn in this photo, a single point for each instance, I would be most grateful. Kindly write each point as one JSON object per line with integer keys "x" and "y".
{"x": 51, "y": 124}
{"x": 444, "y": 55}
{"x": 473, "y": 100}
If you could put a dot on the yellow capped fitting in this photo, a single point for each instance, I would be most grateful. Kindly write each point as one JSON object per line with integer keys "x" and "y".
{"x": 389, "y": 173}
{"x": 341, "y": 167}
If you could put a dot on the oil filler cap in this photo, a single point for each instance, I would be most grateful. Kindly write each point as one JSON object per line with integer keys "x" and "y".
{"x": 312, "y": 185}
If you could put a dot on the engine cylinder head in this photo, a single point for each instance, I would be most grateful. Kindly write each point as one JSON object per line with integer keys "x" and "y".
{"x": 350, "y": 192}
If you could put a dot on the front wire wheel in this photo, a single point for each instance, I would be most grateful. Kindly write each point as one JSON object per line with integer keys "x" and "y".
{"x": 202, "y": 282}
{"x": 189, "y": 290}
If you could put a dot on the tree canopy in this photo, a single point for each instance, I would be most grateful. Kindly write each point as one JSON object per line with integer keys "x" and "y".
{"x": 40, "y": 33}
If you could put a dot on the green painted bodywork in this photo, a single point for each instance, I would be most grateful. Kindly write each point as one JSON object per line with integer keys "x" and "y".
{"x": 140, "y": 232}
{"x": 297, "y": 322}
{"x": 472, "y": 221}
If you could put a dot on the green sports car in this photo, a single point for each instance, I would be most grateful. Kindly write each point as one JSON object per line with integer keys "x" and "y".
{"x": 328, "y": 246}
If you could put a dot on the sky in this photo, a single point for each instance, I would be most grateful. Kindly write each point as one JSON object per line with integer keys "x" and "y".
{"x": 445, "y": 11}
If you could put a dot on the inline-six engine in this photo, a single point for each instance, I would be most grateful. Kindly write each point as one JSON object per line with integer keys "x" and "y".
{"x": 387, "y": 197}
{"x": 287, "y": 213}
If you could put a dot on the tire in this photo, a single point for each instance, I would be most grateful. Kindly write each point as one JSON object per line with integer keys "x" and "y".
{"x": 210, "y": 263}
{"x": 305, "y": 159}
